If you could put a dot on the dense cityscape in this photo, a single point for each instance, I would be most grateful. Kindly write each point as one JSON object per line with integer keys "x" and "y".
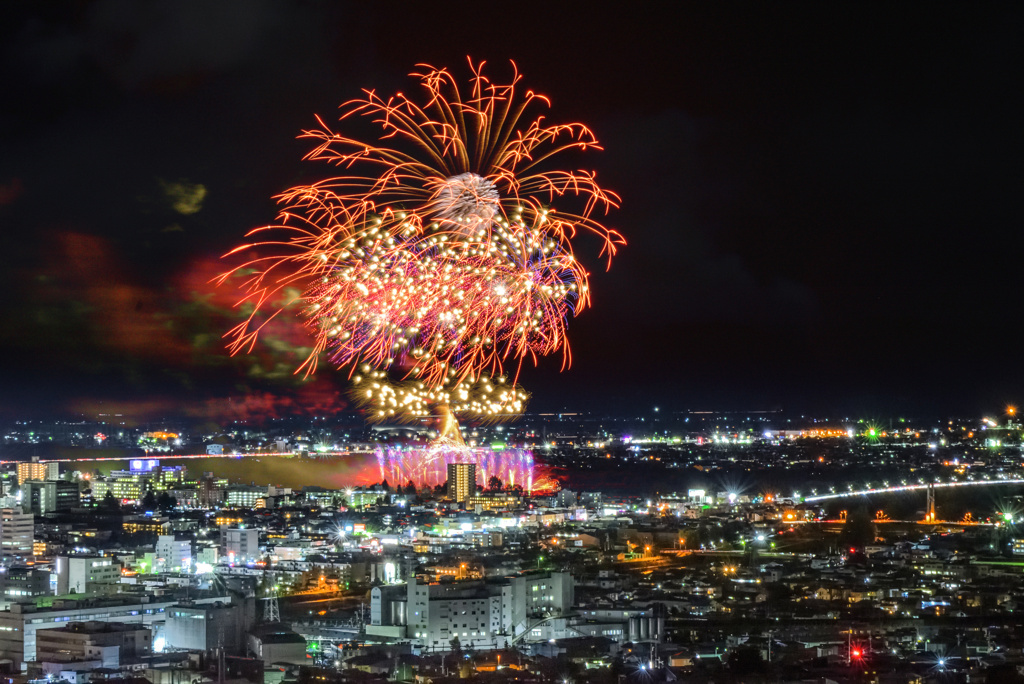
{"x": 532, "y": 343}
{"x": 743, "y": 546}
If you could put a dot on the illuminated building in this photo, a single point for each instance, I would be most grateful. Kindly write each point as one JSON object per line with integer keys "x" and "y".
{"x": 41, "y": 497}
{"x": 145, "y": 525}
{"x": 457, "y": 571}
{"x": 244, "y": 496}
{"x": 500, "y": 501}
{"x": 132, "y": 485}
{"x": 359, "y": 498}
{"x": 34, "y": 470}
{"x": 18, "y": 582}
{"x": 20, "y": 624}
{"x": 461, "y": 481}
{"x": 224, "y": 520}
{"x": 321, "y": 496}
{"x": 240, "y": 545}
{"x": 172, "y": 554}
{"x": 211, "y": 490}
{"x": 17, "y": 530}
{"x": 481, "y": 614}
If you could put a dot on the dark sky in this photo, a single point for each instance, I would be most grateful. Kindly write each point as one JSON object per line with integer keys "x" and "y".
{"x": 823, "y": 203}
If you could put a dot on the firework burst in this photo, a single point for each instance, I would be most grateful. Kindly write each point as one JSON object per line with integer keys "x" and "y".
{"x": 436, "y": 263}
{"x": 429, "y": 466}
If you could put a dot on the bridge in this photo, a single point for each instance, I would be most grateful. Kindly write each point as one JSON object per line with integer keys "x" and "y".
{"x": 168, "y": 456}
{"x": 910, "y": 488}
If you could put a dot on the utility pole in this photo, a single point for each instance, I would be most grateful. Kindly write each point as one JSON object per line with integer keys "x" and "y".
{"x": 221, "y": 660}
{"x": 271, "y": 611}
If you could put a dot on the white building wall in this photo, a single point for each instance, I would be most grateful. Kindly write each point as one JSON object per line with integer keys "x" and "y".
{"x": 76, "y": 573}
{"x": 175, "y": 554}
{"x": 241, "y": 544}
{"x": 17, "y": 531}
{"x": 480, "y": 614}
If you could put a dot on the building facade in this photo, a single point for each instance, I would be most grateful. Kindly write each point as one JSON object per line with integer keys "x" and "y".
{"x": 461, "y": 481}
{"x": 34, "y": 470}
{"x": 240, "y": 545}
{"x": 18, "y": 582}
{"x": 107, "y": 642}
{"x": 173, "y": 554}
{"x": 480, "y": 614}
{"x": 49, "y": 496}
{"x": 17, "y": 531}
{"x": 20, "y": 624}
{"x": 83, "y": 574}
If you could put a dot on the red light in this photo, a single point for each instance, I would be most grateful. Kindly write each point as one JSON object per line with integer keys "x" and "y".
{"x": 856, "y": 653}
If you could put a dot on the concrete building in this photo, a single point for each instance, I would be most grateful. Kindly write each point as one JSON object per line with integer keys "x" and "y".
{"x": 204, "y": 627}
{"x": 34, "y": 470}
{"x": 133, "y": 484}
{"x": 109, "y": 643}
{"x": 482, "y": 614}
{"x": 240, "y": 545}
{"x": 211, "y": 490}
{"x": 50, "y": 496}
{"x": 85, "y": 574}
{"x": 244, "y": 496}
{"x": 360, "y": 498}
{"x": 18, "y": 582}
{"x": 461, "y": 481}
{"x": 173, "y": 554}
{"x": 17, "y": 531}
{"x": 20, "y": 624}
{"x": 276, "y": 643}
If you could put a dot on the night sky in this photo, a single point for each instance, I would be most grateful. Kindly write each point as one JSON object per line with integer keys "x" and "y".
{"x": 823, "y": 203}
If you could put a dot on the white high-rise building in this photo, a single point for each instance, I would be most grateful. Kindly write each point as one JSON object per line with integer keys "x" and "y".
{"x": 17, "y": 531}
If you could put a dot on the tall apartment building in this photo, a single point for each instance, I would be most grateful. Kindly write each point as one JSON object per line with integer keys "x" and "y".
{"x": 17, "y": 531}
{"x": 42, "y": 497}
{"x": 482, "y": 614}
{"x": 34, "y": 470}
{"x": 461, "y": 481}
